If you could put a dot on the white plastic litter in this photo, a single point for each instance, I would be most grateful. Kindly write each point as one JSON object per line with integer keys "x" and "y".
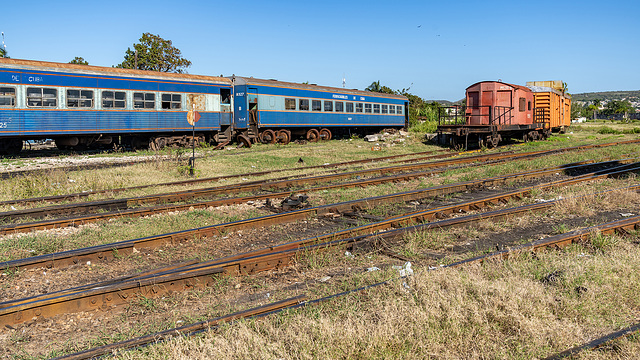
{"x": 621, "y": 214}
{"x": 404, "y": 270}
{"x": 324, "y": 278}
{"x": 375, "y": 268}
{"x": 348, "y": 254}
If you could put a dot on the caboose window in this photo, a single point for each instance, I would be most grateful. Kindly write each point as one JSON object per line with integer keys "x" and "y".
{"x": 339, "y": 106}
{"x": 171, "y": 101}
{"x": 523, "y": 102}
{"x": 349, "y": 107}
{"x": 376, "y": 108}
{"x": 114, "y": 99}
{"x": 392, "y": 109}
{"x": 45, "y": 97}
{"x": 79, "y": 98}
{"x": 289, "y": 104}
{"x": 144, "y": 100}
{"x": 316, "y": 105}
{"x": 359, "y": 107}
{"x": 328, "y": 106}
{"x": 303, "y": 104}
{"x": 529, "y": 105}
{"x": 7, "y": 96}
{"x": 367, "y": 108}
{"x": 384, "y": 109}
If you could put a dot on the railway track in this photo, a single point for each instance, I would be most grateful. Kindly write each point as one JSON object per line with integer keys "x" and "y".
{"x": 186, "y": 276}
{"x": 191, "y": 194}
{"x": 621, "y": 226}
{"x": 109, "y": 251}
{"x": 75, "y": 196}
{"x": 124, "y": 207}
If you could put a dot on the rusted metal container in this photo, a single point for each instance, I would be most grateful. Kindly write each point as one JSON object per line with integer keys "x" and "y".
{"x": 551, "y": 105}
{"x": 498, "y": 103}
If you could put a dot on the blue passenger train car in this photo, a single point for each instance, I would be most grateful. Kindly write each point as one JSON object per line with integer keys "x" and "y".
{"x": 82, "y": 106}
{"x": 279, "y": 111}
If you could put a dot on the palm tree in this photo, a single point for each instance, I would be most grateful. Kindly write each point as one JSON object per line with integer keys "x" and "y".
{"x": 3, "y": 52}
{"x": 374, "y": 87}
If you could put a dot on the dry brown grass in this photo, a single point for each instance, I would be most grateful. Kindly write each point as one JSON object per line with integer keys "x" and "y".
{"x": 499, "y": 310}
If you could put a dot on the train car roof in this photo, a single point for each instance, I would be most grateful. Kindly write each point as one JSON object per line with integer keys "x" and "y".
{"x": 312, "y": 87}
{"x": 500, "y": 82}
{"x": 537, "y": 89}
{"x": 101, "y": 70}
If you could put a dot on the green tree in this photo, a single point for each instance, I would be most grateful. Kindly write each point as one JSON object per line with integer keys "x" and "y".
{"x": 619, "y": 107}
{"x": 156, "y": 54}
{"x": 595, "y": 106}
{"x": 79, "y": 60}
{"x": 3, "y": 52}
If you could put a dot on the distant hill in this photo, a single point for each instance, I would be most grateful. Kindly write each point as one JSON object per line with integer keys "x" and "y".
{"x": 607, "y": 96}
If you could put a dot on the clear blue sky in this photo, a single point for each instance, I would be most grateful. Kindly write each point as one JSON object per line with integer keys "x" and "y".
{"x": 437, "y": 48}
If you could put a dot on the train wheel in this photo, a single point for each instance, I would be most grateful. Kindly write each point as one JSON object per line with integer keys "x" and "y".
{"x": 284, "y": 136}
{"x": 313, "y": 135}
{"x": 325, "y": 134}
{"x": 244, "y": 141}
{"x": 268, "y": 137}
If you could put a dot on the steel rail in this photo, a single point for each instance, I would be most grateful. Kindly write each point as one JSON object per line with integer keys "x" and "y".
{"x": 623, "y": 226}
{"x": 186, "y": 330}
{"x": 127, "y": 203}
{"x": 101, "y": 295}
{"x": 107, "y": 252}
{"x": 145, "y": 211}
{"x": 59, "y": 198}
{"x": 597, "y": 343}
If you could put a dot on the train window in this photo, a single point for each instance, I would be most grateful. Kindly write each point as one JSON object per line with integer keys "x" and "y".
{"x": 392, "y": 109}
{"x": 303, "y": 104}
{"x": 289, "y": 104}
{"x": 358, "y": 107}
{"x": 7, "y": 96}
{"x": 367, "y": 108}
{"x": 114, "y": 99}
{"x": 79, "y": 98}
{"x": 171, "y": 101}
{"x": 376, "y": 108}
{"x": 529, "y": 106}
{"x": 144, "y": 100}
{"x": 523, "y": 102}
{"x": 399, "y": 109}
{"x": 316, "y": 105}
{"x": 384, "y": 109}
{"x": 349, "y": 107}
{"x": 339, "y": 106}
{"x": 328, "y": 105}
{"x": 225, "y": 96}
{"x": 46, "y": 97}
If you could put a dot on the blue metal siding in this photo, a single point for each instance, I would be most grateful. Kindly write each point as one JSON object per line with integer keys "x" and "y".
{"x": 49, "y": 122}
{"x": 292, "y": 92}
{"x": 327, "y": 119}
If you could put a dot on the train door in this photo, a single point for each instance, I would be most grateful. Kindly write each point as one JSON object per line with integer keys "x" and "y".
{"x": 252, "y": 96}
{"x": 486, "y": 105}
{"x": 240, "y": 105}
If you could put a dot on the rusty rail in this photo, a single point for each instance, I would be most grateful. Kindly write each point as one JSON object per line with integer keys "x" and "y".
{"x": 182, "y": 276}
{"x": 145, "y": 211}
{"x": 59, "y": 198}
{"x": 108, "y": 252}
{"x": 127, "y": 203}
{"x": 622, "y": 226}
{"x": 597, "y": 343}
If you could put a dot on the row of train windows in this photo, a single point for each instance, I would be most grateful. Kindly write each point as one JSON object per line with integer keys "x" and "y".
{"x": 84, "y": 99}
{"x": 340, "y": 106}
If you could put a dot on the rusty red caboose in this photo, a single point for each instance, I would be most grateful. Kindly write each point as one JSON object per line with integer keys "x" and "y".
{"x": 494, "y": 111}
